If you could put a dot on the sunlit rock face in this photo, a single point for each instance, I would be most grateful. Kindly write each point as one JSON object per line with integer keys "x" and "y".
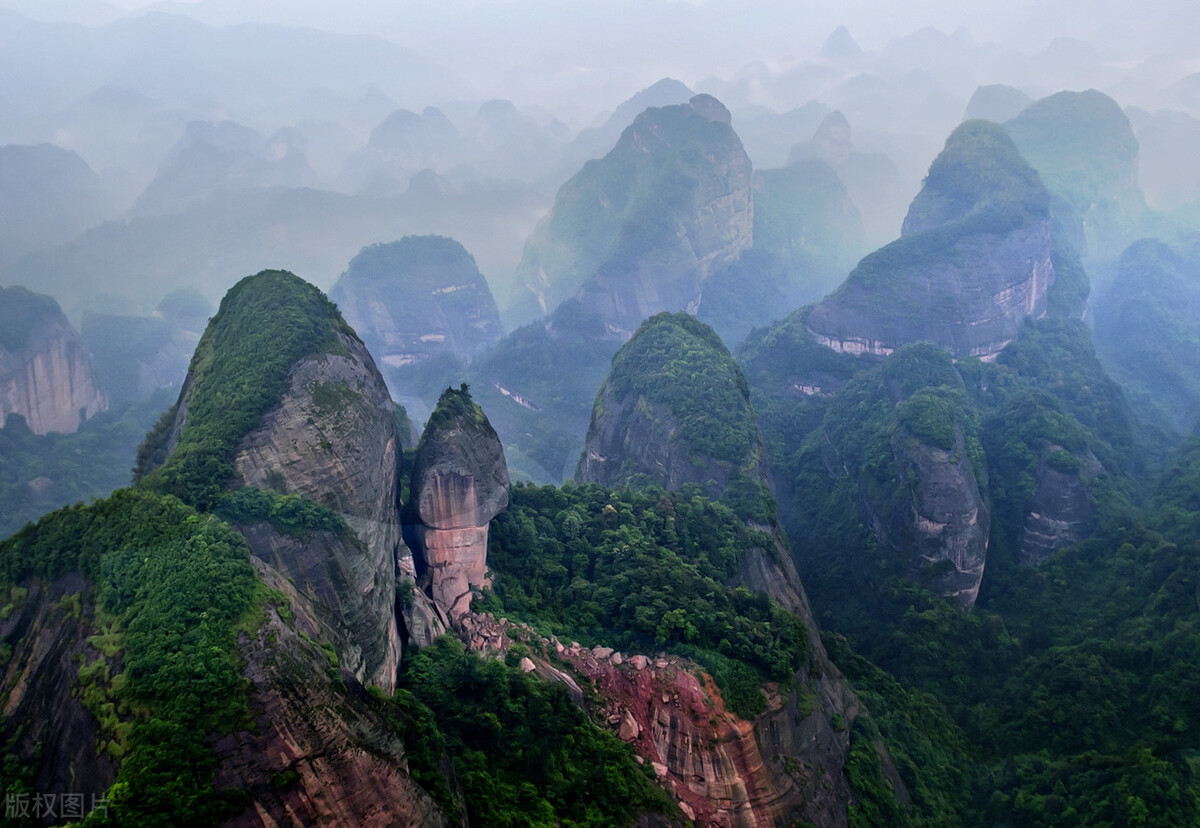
{"x": 972, "y": 264}
{"x": 640, "y": 230}
{"x": 460, "y": 482}
{"x": 45, "y": 374}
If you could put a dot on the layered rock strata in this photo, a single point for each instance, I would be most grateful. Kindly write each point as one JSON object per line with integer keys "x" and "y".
{"x": 332, "y": 439}
{"x": 973, "y": 261}
{"x": 45, "y": 372}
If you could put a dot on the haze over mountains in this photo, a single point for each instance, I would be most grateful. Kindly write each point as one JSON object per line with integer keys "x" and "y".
{"x": 657, "y": 413}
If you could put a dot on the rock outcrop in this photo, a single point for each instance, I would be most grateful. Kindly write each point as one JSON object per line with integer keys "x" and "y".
{"x": 973, "y": 261}
{"x": 460, "y": 482}
{"x": 942, "y": 524}
{"x": 330, "y": 437}
{"x": 640, "y": 230}
{"x": 1060, "y": 512}
{"x": 785, "y": 767}
{"x": 47, "y": 628}
{"x": 317, "y": 755}
{"x": 675, "y": 409}
{"x": 416, "y": 300}
{"x": 45, "y": 372}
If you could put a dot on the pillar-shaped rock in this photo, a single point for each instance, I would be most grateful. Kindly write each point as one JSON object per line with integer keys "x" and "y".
{"x": 460, "y": 482}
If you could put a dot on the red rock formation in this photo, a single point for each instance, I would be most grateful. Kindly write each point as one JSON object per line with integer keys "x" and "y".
{"x": 460, "y": 482}
{"x": 721, "y": 770}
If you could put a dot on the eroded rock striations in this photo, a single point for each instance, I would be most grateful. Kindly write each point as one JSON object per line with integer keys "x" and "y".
{"x": 45, "y": 372}
{"x": 973, "y": 261}
{"x": 640, "y": 230}
{"x": 460, "y": 482}
{"x": 329, "y": 436}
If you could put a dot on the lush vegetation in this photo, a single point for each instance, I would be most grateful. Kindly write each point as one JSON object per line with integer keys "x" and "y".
{"x": 265, "y": 324}
{"x": 1066, "y": 696}
{"x": 1146, "y": 333}
{"x": 41, "y": 472}
{"x": 171, "y": 587}
{"x": 644, "y": 570}
{"x": 681, "y": 368}
{"x": 524, "y": 753}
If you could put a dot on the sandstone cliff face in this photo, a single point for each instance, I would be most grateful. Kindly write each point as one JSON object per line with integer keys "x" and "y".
{"x": 460, "y": 482}
{"x": 675, "y": 409}
{"x": 785, "y": 767}
{"x": 43, "y": 713}
{"x": 1061, "y": 511}
{"x": 942, "y": 523}
{"x": 319, "y": 755}
{"x": 418, "y": 298}
{"x": 640, "y": 230}
{"x": 973, "y": 262}
{"x": 332, "y": 439}
{"x": 45, "y": 373}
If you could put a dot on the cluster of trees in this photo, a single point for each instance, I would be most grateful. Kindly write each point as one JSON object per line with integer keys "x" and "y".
{"x": 523, "y": 752}
{"x": 265, "y": 324}
{"x": 171, "y": 586}
{"x": 645, "y": 571}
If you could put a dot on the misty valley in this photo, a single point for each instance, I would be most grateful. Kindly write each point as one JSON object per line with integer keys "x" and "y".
{"x": 488, "y": 430}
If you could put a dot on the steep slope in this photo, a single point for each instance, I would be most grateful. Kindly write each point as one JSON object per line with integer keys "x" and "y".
{"x": 421, "y": 306}
{"x": 640, "y": 230}
{"x": 973, "y": 261}
{"x": 673, "y": 412}
{"x": 45, "y": 373}
{"x": 1083, "y": 146}
{"x": 459, "y": 483}
{"x": 283, "y": 398}
{"x": 873, "y": 181}
{"x": 1145, "y": 332}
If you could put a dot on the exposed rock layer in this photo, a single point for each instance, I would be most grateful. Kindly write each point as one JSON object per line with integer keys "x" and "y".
{"x": 332, "y": 439}
{"x": 722, "y": 771}
{"x": 460, "y": 482}
{"x": 45, "y": 373}
{"x": 972, "y": 264}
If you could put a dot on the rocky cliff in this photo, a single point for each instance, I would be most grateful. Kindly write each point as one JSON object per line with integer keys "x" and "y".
{"x": 786, "y": 766}
{"x": 640, "y": 230}
{"x": 321, "y": 428}
{"x": 418, "y": 300}
{"x": 45, "y": 371}
{"x": 675, "y": 409}
{"x": 941, "y": 524}
{"x": 460, "y": 482}
{"x": 316, "y": 755}
{"x": 973, "y": 261}
{"x": 1060, "y": 512}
